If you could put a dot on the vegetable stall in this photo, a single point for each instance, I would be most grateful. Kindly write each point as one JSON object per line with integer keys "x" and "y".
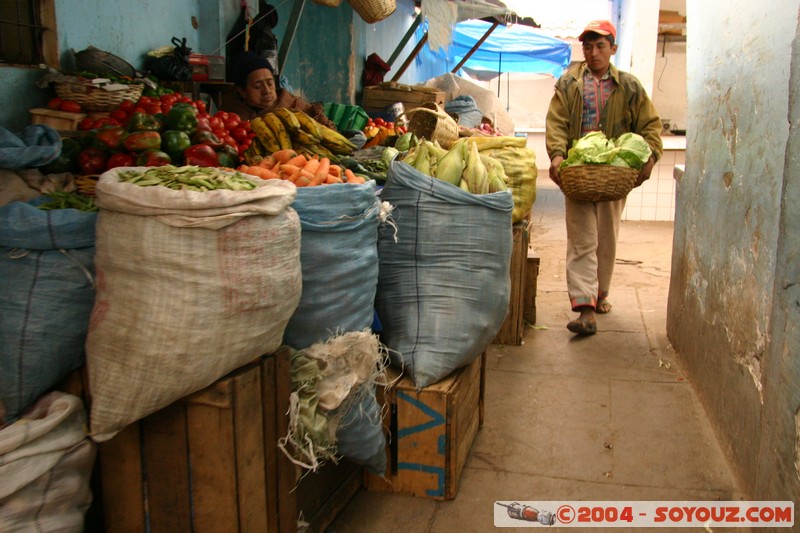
{"x": 175, "y": 266}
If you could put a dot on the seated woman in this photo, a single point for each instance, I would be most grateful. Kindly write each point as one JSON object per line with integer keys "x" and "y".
{"x": 258, "y": 91}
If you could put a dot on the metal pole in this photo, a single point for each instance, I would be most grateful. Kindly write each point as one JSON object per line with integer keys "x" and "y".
{"x": 477, "y": 45}
{"x": 411, "y": 57}
{"x": 405, "y": 39}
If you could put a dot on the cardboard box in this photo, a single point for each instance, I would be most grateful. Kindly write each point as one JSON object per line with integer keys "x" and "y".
{"x": 208, "y": 462}
{"x": 431, "y": 431}
{"x": 513, "y": 327}
{"x": 378, "y": 98}
{"x": 58, "y": 120}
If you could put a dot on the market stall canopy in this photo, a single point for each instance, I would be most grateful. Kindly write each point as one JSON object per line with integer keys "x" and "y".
{"x": 514, "y": 48}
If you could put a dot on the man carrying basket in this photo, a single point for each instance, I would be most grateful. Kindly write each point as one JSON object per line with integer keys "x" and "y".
{"x": 595, "y": 96}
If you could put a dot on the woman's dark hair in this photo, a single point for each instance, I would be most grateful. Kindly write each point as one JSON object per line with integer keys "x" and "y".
{"x": 247, "y": 62}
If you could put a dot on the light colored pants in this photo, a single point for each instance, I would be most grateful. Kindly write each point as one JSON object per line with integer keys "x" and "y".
{"x": 592, "y": 229}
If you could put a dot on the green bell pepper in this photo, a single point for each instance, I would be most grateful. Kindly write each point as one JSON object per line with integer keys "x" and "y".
{"x": 174, "y": 142}
{"x": 182, "y": 117}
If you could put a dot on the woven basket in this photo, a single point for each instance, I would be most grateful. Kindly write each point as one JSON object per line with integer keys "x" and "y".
{"x": 373, "y": 10}
{"x": 93, "y": 98}
{"x": 597, "y": 183}
{"x": 433, "y": 123}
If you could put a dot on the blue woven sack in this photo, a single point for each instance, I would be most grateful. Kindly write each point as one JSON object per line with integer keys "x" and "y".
{"x": 339, "y": 258}
{"x": 444, "y": 283}
{"x": 46, "y": 262}
{"x": 359, "y": 436}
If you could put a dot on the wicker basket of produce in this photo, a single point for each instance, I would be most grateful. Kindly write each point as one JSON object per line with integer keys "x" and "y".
{"x": 373, "y": 10}
{"x": 97, "y": 98}
{"x": 597, "y": 183}
{"x": 433, "y": 123}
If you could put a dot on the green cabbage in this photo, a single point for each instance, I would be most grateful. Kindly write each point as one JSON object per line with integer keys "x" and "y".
{"x": 629, "y": 150}
{"x": 633, "y": 149}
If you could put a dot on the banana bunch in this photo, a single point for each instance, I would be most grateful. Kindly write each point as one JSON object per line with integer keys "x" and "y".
{"x": 462, "y": 166}
{"x": 290, "y": 128}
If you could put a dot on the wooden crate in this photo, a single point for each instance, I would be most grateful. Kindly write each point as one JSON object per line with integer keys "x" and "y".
{"x": 378, "y": 97}
{"x": 208, "y": 462}
{"x": 322, "y": 495}
{"x": 531, "y": 277}
{"x": 431, "y": 431}
{"x": 513, "y": 327}
{"x": 58, "y": 120}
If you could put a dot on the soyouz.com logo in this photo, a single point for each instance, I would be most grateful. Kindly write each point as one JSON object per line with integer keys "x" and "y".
{"x": 644, "y": 514}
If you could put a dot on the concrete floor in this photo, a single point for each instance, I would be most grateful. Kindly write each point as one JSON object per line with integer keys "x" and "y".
{"x": 606, "y": 417}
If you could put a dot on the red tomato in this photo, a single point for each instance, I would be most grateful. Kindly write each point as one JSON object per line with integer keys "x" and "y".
{"x": 139, "y": 109}
{"x": 120, "y": 115}
{"x": 127, "y": 106}
{"x": 240, "y": 134}
{"x": 231, "y": 124}
{"x": 153, "y": 109}
{"x": 165, "y": 107}
{"x": 221, "y": 133}
{"x": 86, "y": 124}
{"x": 222, "y": 115}
{"x": 227, "y": 139}
{"x": 201, "y": 106}
{"x": 216, "y": 123}
{"x": 70, "y": 106}
{"x": 54, "y": 103}
{"x": 379, "y": 121}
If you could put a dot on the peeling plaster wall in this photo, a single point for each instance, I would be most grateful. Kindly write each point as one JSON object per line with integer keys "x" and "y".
{"x": 729, "y": 220}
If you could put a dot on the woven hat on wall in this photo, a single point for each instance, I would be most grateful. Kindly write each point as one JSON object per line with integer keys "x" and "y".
{"x": 373, "y": 10}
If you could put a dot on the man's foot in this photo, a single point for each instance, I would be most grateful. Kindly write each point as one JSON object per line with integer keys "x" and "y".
{"x": 603, "y": 306}
{"x": 583, "y": 325}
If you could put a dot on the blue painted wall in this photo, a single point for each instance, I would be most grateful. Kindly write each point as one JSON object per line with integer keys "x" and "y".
{"x": 734, "y": 293}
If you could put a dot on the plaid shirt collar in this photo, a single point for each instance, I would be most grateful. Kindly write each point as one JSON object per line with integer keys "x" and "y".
{"x": 595, "y": 95}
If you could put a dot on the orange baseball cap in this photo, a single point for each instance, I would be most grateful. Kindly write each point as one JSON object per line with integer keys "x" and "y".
{"x": 601, "y": 27}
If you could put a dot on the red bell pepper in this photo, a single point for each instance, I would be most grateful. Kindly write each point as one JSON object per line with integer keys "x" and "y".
{"x": 139, "y": 141}
{"x": 111, "y": 137}
{"x": 120, "y": 159}
{"x": 201, "y": 155}
{"x": 92, "y": 160}
{"x": 153, "y": 158}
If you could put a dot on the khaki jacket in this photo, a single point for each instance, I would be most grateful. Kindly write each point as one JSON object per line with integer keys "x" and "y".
{"x": 628, "y": 109}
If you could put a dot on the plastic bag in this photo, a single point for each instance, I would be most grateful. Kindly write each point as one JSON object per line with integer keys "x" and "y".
{"x": 35, "y": 146}
{"x": 174, "y": 67}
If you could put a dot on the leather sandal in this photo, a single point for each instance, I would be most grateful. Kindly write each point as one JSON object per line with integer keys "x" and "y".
{"x": 603, "y": 306}
{"x": 582, "y": 326}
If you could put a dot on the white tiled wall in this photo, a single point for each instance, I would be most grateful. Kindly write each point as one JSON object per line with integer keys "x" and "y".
{"x": 655, "y": 198}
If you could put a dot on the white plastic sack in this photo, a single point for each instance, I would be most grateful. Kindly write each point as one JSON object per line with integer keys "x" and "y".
{"x": 190, "y": 286}
{"x": 46, "y": 464}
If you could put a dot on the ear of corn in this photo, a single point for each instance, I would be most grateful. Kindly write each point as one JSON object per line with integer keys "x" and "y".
{"x": 450, "y": 167}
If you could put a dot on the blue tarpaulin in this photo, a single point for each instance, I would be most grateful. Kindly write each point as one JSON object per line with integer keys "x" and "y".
{"x": 514, "y": 48}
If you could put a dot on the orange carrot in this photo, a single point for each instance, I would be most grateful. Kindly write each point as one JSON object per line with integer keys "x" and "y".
{"x": 284, "y": 155}
{"x": 352, "y": 178}
{"x": 298, "y": 161}
{"x": 331, "y": 179}
{"x": 302, "y": 180}
{"x": 311, "y": 166}
{"x": 323, "y": 169}
{"x": 267, "y": 162}
{"x": 335, "y": 170}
